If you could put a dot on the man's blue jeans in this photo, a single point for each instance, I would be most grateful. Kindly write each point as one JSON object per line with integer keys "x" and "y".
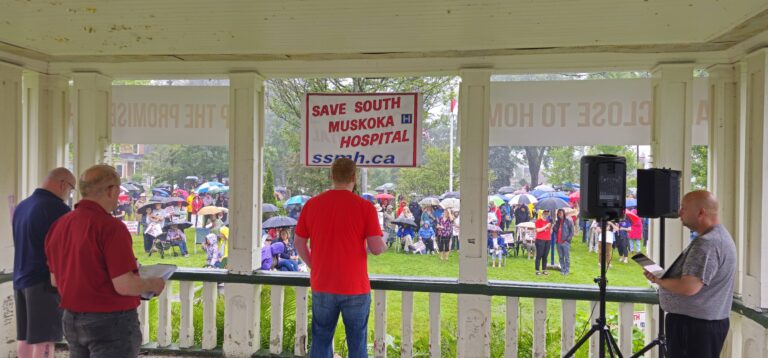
{"x": 102, "y": 335}
{"x": 354, "y": 311}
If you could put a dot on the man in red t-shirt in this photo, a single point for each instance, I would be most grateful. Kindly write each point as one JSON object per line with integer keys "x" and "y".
{"x": 91, "y": 260}
{"x": 543, "y": 237}
{"x": 341, "y": 227}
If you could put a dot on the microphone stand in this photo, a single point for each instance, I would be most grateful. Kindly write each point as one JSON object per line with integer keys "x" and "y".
{"x": 600, "y": 326}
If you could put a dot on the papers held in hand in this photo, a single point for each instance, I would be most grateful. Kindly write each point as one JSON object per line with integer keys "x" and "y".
{"x": 648, "y": 265}
{"x": 150, "y": 271}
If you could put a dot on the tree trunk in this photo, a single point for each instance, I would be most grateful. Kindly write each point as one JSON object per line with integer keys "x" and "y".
{"x": 535, "y": 155}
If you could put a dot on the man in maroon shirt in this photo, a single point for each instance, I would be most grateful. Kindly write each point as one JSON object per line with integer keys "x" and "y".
{"x": 91, "y": 260}
{"x": 341, "y": 227}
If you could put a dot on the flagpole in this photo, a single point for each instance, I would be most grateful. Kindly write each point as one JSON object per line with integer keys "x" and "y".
{"x": 450, "y": 150}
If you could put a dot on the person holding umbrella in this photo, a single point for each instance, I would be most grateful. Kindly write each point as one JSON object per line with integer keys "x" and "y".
{"x": 543, "y": 234}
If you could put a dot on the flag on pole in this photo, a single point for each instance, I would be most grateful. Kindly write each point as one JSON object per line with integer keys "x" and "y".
{"x": 453, "y": 104}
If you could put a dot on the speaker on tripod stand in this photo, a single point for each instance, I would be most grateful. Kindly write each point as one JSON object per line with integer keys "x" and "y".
{"x": 603, "y": 192}
{"x": 658, "y": 196}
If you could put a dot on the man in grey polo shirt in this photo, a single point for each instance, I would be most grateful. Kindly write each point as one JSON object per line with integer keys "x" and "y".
{"x": 697, "y": 289}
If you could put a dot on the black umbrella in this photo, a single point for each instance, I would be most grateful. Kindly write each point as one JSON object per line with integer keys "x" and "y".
{"x": 551, "y": 204}
{"x": 173, "y": 201}
{"x": 278, "y": 222}
{"x": 450, "y": 194}
{"x": 149, "y": 204}
{"x": 506, "y": 190}
{"x": 403, "y": 221}
{"x": 183, "y": 225}
{"x": 268, "y": 208}
{"x": 131, "y": 187}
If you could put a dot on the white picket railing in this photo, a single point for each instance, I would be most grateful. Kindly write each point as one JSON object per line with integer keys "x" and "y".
{"x": 567, "y": 295}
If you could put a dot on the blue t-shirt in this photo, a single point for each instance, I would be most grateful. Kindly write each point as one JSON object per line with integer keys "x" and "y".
{"x": 31, "y": 220}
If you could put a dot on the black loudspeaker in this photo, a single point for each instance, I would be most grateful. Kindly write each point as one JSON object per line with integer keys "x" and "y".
{"x": 603, "y": 186}
{"x": 658, "y": 193}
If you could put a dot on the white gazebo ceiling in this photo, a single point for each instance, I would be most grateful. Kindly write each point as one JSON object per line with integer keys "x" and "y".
{"x": 71, "y": 35}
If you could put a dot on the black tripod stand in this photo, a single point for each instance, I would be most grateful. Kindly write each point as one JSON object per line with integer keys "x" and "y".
{"x": 600, "y": 326}
{"x": 660, "y": 340}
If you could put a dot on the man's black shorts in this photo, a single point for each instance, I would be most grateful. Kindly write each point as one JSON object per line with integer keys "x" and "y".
{"x": 38, "y": 317}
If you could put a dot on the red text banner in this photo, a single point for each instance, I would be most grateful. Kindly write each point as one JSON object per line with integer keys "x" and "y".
{"x": 373, "y": 129}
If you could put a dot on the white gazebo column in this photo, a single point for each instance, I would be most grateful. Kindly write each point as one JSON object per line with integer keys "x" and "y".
{"x": 671, "y": 141}
{"x": 725, "y": 168}
{"x": 755, "y": 283}
{"x": 10, "y": 185}
{"x": 93, "y": 129}
{"x": 671, "y": 133}
{"x": 474, "y": 310}
{"x": 44, "y": 123}
{"x": 246, "y": 145}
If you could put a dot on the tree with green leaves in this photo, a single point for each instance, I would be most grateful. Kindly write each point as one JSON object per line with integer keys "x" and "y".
{"x": 502, "y": 163}
{"x": 535, "y": 156}
{"x": 563, "y": 165}
{"x": 268, "y": 189}
{"x": 172, "y": 163}
{"x": 431, "y": 177}
{"x": 699, "y": 154}
{"x": 283, "y": 130}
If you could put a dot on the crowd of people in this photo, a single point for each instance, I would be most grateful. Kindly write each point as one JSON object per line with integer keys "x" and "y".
{"x": 76, "y": 276}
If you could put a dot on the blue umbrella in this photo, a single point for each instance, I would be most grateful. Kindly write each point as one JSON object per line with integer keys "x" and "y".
{"x": 202, "y": 189}
{"x": 277, "y": 222}
{"x": 554, "y": 194}
{"x": 502, "y": 197}
{"x": 631, "y": 202}
{"x": 268, "y": 208}
{"x": 160, "y": 192}
{"x": 551, "y": 204}
{"x": 297, "y": 200}
{"x": 368, "y": 196}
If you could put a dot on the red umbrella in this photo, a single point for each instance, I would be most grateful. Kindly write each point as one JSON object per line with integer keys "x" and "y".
{"x": 181, "y": 192}
{"x": 632, "y": 216}
{"x": 574, "y": 197}
{"x": 384, "y": 196}
{"x": 122, "y": 198}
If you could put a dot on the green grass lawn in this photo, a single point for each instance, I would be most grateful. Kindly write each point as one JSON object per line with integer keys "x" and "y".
{"x": 584, "y": 268}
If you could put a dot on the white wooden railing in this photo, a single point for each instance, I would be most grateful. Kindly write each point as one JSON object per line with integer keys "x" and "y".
{"x": 383, "y": 286}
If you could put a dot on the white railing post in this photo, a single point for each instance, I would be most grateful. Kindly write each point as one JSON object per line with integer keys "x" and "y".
{"x": 300, "y": 343}
{"x": 434, "y": 324}
{"x": 144, "y": 321}
{"x": 186, "y": 326}
{"x": 626, "y": 312}
{"x": 513, "y": 315}
{"x": 164, "y": 318}
{"x": 210, "y": 293}
{"x": 539, "y": 327}
{"x": 380, "y": 324}
{"x": 277, "y": 298}
{"x": 406, "y": 340}
{"x": 568, "y": 319}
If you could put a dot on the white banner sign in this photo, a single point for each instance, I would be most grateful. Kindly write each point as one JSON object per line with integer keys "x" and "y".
{"x": 373, "y": 129}
{"x": 133, "y": 226}
{"x": 167, "y": 114}
{"x": 615, "y": 112}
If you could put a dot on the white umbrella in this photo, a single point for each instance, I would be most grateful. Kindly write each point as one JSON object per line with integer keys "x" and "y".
{"x": 544, "y": 187}
{"x": 431, "y": 201}
{"x": 451, "y": 204}
{"x": 524, "y": 199}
